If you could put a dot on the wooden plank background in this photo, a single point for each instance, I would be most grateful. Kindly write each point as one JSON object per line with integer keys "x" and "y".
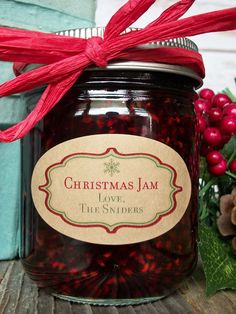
{"x": 18, "y": 295}
{"x": 218, "y": 49}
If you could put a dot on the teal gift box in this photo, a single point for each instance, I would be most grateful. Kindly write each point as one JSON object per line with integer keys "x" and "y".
{"x": 43, "y": 15}
{"x": 9, "y": 199}
{"x": 47, "y": 15}
{"x": 11, "y": 111}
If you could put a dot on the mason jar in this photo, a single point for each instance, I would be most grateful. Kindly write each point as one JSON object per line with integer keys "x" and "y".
{"x": 110, "y": 181}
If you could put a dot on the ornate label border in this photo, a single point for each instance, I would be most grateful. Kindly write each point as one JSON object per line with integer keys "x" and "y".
{"x": 111, "y": 152}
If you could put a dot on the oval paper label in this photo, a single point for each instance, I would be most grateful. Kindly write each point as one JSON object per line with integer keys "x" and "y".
{"x": 111, "y": 189}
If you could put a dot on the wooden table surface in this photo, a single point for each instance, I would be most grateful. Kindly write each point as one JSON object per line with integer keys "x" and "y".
{"x": 18, "y": 295}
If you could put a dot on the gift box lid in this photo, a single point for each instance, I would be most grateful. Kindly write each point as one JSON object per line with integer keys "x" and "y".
{"x": 47, "y": 15}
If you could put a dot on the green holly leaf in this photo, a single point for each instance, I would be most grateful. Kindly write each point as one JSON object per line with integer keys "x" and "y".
{"x": 228, "y": 92}
{"x": 229, "y": 149}
{"x": 219, "y": 264}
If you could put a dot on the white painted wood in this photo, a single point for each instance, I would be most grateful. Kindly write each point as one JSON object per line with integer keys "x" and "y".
{"x": 106, "y": 8}
{"x": 218, "y": 49}
{"x": 220, "y": 70}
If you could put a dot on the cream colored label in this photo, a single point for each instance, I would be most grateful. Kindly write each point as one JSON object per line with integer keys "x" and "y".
{"x": 111, "y": 189}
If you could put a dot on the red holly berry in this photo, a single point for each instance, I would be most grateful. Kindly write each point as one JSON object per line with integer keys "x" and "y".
{"x": 228, "y": 125}
{"x": 202, "y": 123}
{"x": 220, "y": 100}
{"x": 217, "y": 123}
{"x": 225, "y": 138}
{"x": 214, "y": 158}
{"x": 215, "y": 114}
{"x": 212, "y": 136}
{"x": 207, "y": 93}
{"x": 205, "y": 149}
{"x": 201, "y": 105}
{"x": 232, "y": 166}
{"x": 230, "y": 110}
{"x": 219, "y": 169}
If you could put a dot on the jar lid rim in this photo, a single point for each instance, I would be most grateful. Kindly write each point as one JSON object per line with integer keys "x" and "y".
{"x": 88, "y": 32}
{"x": 151, "y": 66}
{"x": 183, "y": 42}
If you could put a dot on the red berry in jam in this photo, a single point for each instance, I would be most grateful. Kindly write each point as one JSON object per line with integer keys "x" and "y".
{"x": 207, "y": 93}
{"x": 219, "y": 169}
{"x": 215, "y": 114}
{"x": 220, "y": 100}
{"x": 228, "y": 125}
{"x": 214, "y": 158}
{"x": 212, "y": 136}
{"x": 230, "y": 110}
{"x": 232, "y": 166}
{"x": 200, "y": 105}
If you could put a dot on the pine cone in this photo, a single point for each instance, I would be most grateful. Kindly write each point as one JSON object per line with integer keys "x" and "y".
{"x": 227, "y": 220}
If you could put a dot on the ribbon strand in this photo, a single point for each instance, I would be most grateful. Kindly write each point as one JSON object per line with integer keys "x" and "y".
{"x": 173, "y": 13}
{"x": 66, "y": 58}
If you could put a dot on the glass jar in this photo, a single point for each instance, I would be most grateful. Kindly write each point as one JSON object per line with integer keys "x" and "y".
{"x": 110, "y": 215}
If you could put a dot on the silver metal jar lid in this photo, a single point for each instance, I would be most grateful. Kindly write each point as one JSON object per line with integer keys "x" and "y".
{"x": 184, "y": 43}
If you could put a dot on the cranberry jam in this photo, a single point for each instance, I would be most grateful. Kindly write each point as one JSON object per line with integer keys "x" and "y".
{"x": 154, "y": 105}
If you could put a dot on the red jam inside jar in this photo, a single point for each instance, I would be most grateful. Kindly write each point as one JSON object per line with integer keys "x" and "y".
{"x": 148, "y": 104}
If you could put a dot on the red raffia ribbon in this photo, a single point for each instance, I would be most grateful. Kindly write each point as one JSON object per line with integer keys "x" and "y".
{"x": 66, "y": 58}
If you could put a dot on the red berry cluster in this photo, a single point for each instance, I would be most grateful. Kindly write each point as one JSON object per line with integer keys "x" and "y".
{"x": 217, "y": 124}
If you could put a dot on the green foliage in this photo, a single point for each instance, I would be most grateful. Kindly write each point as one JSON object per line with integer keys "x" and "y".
{"x": 218, "y": 262}
{"x": 228, "y": 92}
{"x": 211, "y": 188}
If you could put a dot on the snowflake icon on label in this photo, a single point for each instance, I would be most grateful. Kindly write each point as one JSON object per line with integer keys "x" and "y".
{"x": 111, "y": 167}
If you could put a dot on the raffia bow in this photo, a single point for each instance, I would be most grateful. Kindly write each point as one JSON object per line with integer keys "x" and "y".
{"x": 66, "y": 58}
